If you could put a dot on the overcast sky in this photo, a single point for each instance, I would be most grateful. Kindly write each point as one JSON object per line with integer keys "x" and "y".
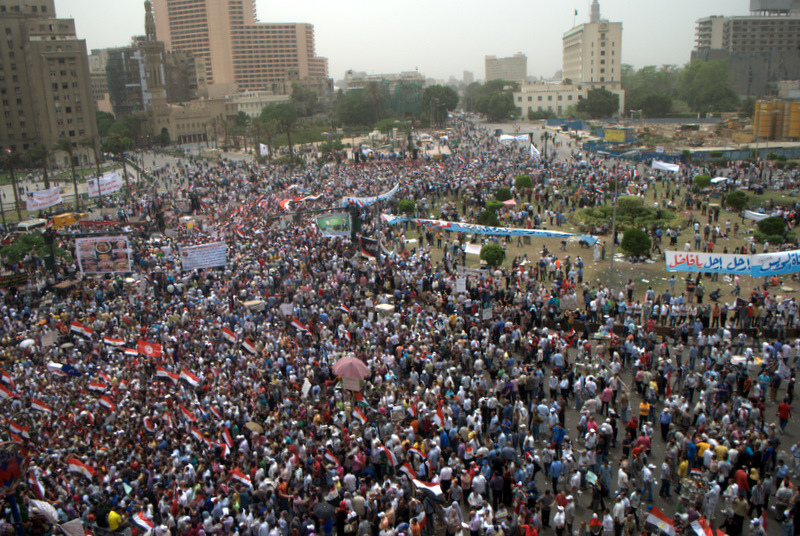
{"x": 442, "y": 38}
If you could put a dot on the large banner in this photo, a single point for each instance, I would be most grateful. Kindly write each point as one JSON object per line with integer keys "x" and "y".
{"x": 43, "y": 199}
{"x": 367, "y": 201}
{"x": 460, "y": 227}
{"x": 763, "y": 265}
{"x": 658, "y": 164}
{"x": 756, "y": 216}
{"x": 336, "y": 224}
{"x": 211, "y": 255}
{"x": 109, "y": 183}
{"x": 103, "y": 254}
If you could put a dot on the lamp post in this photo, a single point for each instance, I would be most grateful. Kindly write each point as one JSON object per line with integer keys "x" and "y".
{"x": 614, "y": 227}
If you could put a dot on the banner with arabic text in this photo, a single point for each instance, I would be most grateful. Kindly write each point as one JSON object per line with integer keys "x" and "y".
{"x": 763, "y": 265}
{"x": 110, "y": 182}
{"x": 43, "y": 199}
{"x": 367, "y": 201}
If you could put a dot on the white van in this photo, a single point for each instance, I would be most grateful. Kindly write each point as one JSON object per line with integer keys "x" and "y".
{"x": 29, "y": 225}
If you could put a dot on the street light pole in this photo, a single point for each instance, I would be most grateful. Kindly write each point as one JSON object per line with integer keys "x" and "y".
{"x": 614, "y": 226}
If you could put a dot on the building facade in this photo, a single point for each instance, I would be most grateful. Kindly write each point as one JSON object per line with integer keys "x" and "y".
{"x": 45, "y": 87}
{"x": 239, "y": 52}
{"x": 592, "y": 52}
{"x": 513, "y": 69}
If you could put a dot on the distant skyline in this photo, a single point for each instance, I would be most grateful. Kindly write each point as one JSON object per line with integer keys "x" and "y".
{"x": 442, "y": 38}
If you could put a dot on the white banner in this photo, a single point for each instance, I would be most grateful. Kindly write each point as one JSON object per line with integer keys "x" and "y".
{"x": 211, "y": 255}
{"x": 367, "y": 201}
{"x": 757, "y": 216}
{"x": 109, "y": 183}
{"x": 658, "y": 164}
{"x": 43, "y": 199}
{"x": 103, "y": 254}
{"x": 263, "y": 150}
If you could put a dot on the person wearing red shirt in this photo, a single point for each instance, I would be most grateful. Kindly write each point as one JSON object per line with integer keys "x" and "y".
{"x": 784, "y": 414}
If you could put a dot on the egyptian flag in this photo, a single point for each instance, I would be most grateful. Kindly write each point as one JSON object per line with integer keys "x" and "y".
{"x": 331, "y": 458}
{"x": 215, "y": 412}
{"x": 188, "y": 415}
{"x": 344, "y": 308}
{"x": 149, "y": 425}
{"x": 76, "y": 466}
{"x": 433, "y": 489}
{"x": 249, "y": 346}
{"x": 299, "y": 325}
{"x": 161, "y": 372}
{"x": 226, "y": 450}
{"x": 80, "y": 329}
{"x": 438, "y": 418}
{"x": 6, "y": 393}
{"x": 390, "y": 455}
{"x": 658, "y": 523}
{"x": 131, "y": 352}
{"x": 196, "y": 434}
{"x": 189, "y": 378}
{"x": 150, "y": 349}
{"x": 418, "y": 452}
{"x": 701, "y": 528}
{"x": 111, "y": 341}
{"x": 16, "y": 428}
{"x": 35, "y": 485}
{"x": 38, "y": 405}
{"x": 241, "y": 477}
{"x": 422, "y": 519}
{"x": 143, "y": 522}
{"x": 462, "y": 159}
{"x": 97, "y": 386}
{"x": 105, "y": 377}
{"x": 107, "y": 403}
{"x": 358, "y": 414}
{"x": 226, "y": 436}
{"x": 408, "y": 470}
{"x": 7, "y": 379}
{"x": 229, "y": 335}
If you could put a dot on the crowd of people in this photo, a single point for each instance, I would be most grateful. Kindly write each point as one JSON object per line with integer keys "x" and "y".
{"x": 205, "y": 402}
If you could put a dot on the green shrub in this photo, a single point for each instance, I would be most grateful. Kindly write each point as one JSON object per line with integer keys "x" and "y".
{"x": 523, "y": 181}
{"x": 489, "y": 218}
{"x": 772, "y": 156}
{"x": 773, "y": 225}
{"x": 493, "y": 205}
{"x": 493, "y": 254}
{"x": 737, "y": 200}
{"x": 702, "y": 181}
{"x": 406, "y": 206}
{"x": 715, "y": 154}
{"x": 635, "y": 242}
{"x": 503, "y": 194}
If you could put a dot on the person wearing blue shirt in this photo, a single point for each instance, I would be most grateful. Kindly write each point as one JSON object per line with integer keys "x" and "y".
{"x": 555, "y": 472}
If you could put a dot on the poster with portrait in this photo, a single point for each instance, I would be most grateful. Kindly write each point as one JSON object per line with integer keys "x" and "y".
{"x": 103, "y": 255}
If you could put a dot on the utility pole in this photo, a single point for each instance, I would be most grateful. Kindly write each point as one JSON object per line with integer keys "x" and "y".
{"x": 614, "y": 226}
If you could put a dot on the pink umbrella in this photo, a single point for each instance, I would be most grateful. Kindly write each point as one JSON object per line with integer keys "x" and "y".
{"x": 351, "y": 367}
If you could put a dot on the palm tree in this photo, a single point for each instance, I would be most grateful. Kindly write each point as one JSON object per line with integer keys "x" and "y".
{"x": 12, "y": 158}
{"x": 65, "y": 145}
{"x": 41, "y": 153}
{"x": 91, "y": 141}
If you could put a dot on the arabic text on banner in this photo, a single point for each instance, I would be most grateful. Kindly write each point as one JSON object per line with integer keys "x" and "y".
{"x": 211, "y": 255}
{"x": 367, "y": 201}
{"x": 43, "y": 199}
{"x": 109, "y": 183}
{"x": 763, "y": 265}
{"x": 103, "y": 254}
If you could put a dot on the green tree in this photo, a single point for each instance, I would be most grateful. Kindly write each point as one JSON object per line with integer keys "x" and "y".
{"x": 705, "y": 86}
{"x": 534, "y": 115}
{"x": 305, "y": 100}
{"x": 12, "y": 160}
{"x": 375, "y": 97}
{"x": 493, "y": 254}
{"x": 773, "y": 225}
{"x": 351, "y": 109}
{"x": 523, "y": 181}
{"x": 104, "y": 122}
{"x": 439, "y": 100}
{"x": 385, "y": 126}
{"x": 503, "y": 194}
{"x": 737, "y": 200}
{"x": 629, "y": 205}
{"x": 65, "y": 145}
{"x": 493, "y": 205}
{"x": 285, "y": 117}
{"x": 488, "y": 218}
{"x": 651, "y": 105}
{"x": 407, "y": 207}
{"x": 701, "y": 181}
{"x": 599, "y": 103}
{"x": 41, "y": 153}
{"x": 635, "y": 242}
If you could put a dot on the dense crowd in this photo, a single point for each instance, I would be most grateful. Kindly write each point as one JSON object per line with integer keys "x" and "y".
{"x": 205, "y": 402}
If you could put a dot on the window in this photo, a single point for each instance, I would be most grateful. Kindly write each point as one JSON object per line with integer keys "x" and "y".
{"x": 540, "y": 100}
{"x": 549, "y": 97}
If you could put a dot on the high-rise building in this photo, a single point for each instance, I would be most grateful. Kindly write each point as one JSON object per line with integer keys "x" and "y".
{"x": 240, "y": 53}
{"x": 593, "y": 52}
{"x": 513, "y": 69}
{"x": 45, "y": 87}
{"x": 761, "y": 48}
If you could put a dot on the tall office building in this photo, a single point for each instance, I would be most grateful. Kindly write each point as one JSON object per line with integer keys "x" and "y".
{"x": 593, "y": 52}
{"x": 240, "y": 53}
{"x": 513, "y": 69}
{"x": 45, "y": 87}
{"x": 761, "y": 48}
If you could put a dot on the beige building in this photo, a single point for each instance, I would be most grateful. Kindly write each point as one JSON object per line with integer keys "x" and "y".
{"x": 240, "y": 53}
{"x": 513, "y": 69}
{"x": 592, "y": 52}
{"x": 45, "y": 88}
{"x": 557, "y": 98}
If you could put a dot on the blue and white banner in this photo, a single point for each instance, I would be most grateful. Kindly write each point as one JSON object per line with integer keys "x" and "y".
{"x": 367, "y": 201}
{"x": 460, "y": 227}
{"x": 763, "y": 265}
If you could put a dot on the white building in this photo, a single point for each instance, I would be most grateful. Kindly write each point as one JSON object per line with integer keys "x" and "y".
{"x": 593, "y": 52}
{"x": 513, "y": 69}
{"x": 557, "y": 98}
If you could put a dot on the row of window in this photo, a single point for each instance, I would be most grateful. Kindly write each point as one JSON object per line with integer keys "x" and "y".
{"x": 549, "y": 98}
{"x": 15, "y": 9}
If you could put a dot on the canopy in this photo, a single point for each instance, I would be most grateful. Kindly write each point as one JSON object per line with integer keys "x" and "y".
{"x": 351, "y": 367}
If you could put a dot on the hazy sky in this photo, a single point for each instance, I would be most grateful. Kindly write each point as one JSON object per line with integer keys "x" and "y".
{"x": 441, "y": 38}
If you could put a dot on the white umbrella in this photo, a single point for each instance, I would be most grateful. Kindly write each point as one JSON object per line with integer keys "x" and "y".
{"x": 47, "y": 510}
{"x": 27, "y": 343}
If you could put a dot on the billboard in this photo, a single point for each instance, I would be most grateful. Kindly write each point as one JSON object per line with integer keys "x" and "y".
{"x": 336, "y": 224}
{"x": 615, "y": 135}
{"x": 103, "y": 254}
{"x": 211, "y": 255}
